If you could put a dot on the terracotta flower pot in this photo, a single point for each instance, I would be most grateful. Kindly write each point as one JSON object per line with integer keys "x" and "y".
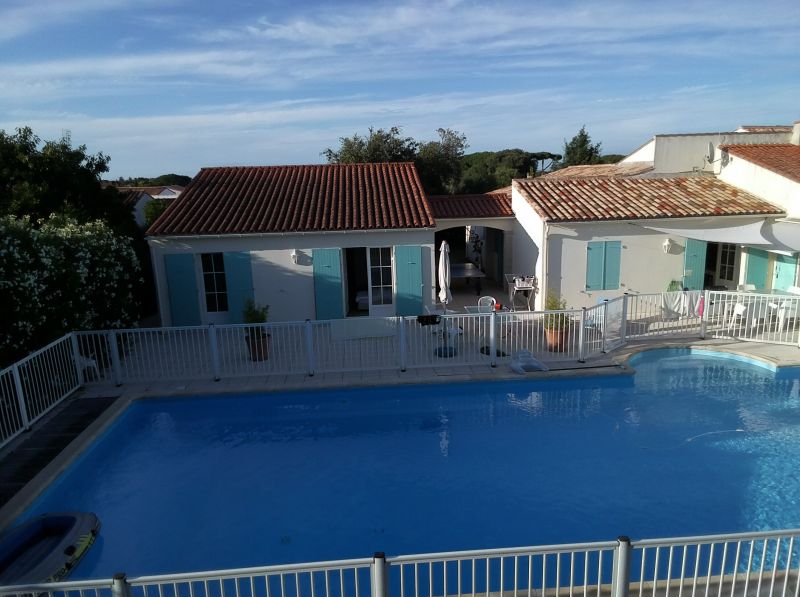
{"x": 556, "y": 339}
{"x": 258, "y": 344}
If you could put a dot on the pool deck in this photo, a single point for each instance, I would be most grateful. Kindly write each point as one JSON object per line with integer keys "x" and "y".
{"x": 32, "y": 461}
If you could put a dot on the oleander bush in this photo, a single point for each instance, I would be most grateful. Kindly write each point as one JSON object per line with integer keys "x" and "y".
{"x": 58, "y": 275}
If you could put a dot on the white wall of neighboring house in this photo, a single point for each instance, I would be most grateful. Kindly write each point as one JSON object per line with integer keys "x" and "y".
{"x": 645, "y": 153}
{"x": 138, "y": 209}
{"x": 287, "y": 287}
{"x": 688, "y": 153}
{"x": 761, "y": 182}
{"x": 644, "y": 266}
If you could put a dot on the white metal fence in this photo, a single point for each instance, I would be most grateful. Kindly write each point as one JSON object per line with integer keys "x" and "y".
{"x": 30, "y": 388}
{"x": 737, "y": 565}
{"x": 37, "y": 383}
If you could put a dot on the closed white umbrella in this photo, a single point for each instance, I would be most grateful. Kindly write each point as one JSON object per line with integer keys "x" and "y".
{"x": 445, "y": 297}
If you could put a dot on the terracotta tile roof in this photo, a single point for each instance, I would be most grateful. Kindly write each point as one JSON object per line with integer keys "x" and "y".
{"x": 600, "y": 199}
{"x": 152, "y": 191}
{"x": 264, "y": 199}
{"x": 130, "y": 198}
{"x": 783, "y": 159}
{"x": 486, "y": 205}
{"x": 602, "y": 170}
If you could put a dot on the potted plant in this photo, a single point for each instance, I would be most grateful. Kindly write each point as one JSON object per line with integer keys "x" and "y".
{"x": 256, "y": 336}
{"x": 556, "y": 325}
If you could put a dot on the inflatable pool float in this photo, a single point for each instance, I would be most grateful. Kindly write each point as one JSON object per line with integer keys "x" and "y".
{"x": 46, "y": 548}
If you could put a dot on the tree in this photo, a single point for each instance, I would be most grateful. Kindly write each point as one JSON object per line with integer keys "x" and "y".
{"x": 489, "y": 170}
{"x": 37, "y": 180}
{"x": 439, "y": 162}
{"x": 580, "y": 150}
{"x": 60, "y": 275}
{"x": 153, "y": 209}
{"x": 378, "y": 146}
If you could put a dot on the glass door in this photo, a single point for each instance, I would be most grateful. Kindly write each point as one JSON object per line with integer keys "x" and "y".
{"x": 381, "y": 281}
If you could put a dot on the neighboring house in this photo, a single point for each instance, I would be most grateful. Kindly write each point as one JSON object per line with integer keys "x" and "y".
{"x": 599, "y": 231}
{"x": 136, "y": 198}
{"x": 316, "y": 242}
{"x": 695, "y": 152}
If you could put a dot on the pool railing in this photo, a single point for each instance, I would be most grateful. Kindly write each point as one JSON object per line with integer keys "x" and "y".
{"x": 33, "y": 386}
{"x": 733, "y": 565}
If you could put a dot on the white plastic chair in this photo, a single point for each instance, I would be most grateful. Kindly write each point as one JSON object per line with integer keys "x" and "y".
{"x": 739, "y": 312}
{"x": 788, "y": 310}
{"x": 486, "y": 304}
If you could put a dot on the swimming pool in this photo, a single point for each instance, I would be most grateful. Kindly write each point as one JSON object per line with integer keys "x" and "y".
{"x": 691, "y": 444}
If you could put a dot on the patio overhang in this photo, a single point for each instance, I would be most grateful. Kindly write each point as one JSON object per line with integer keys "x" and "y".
{"x": 764, "y": 233}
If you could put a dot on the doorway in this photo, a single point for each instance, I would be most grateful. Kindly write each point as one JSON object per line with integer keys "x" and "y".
{"x": 370, "y": 281}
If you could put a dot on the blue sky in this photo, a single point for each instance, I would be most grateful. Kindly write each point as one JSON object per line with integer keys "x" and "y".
{"x": 173, "y": 85}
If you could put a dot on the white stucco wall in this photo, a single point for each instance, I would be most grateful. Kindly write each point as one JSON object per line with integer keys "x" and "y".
{"x": 645, "y": 153}
{"x": 527, "y": 242}
{"x": 644, "y": 267}
{"x": 288, "y": 288}
{"x": 687, "y": 153}
{"x": 763, "y": 183}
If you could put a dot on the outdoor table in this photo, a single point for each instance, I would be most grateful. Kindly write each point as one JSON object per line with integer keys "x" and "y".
{"x": 468, "y": 271}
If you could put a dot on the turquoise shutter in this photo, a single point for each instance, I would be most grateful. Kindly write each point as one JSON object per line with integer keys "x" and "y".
{"x": 328, "y": 289}
{"x": 595, "y": 258}
{"x": 757, "y": 261}
{"x": 184, "y": 306}
{"x": 408, "y": 279}
{"x": 785, "y": 271}
{"x": 611, "y": 265}
{"x": 239, "y": 279}
{"x": 694, "y": 264}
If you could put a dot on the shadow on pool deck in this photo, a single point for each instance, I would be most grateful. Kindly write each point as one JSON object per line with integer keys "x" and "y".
{"x": 33, "y": 450}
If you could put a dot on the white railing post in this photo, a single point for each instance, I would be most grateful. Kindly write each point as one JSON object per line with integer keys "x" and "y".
{"x": 310, "y": 347}
{"x": 704, "y": 314}
{"x": 582, "y": 337}
{"x": 605, "y": 325}
{"x": 380, "y": 586}
{"x": 23, "y": 410}
{"x": 120, "y": 586}
{"x": 401, "y": 338}
{"x": 493, "y": 339}
{"x": 621, "y": 574}
{"x": 115, "y": 364}
{"x": 213, "y": 350}
{"x": 623, "y": 326}
{"x": 76, "y": 358}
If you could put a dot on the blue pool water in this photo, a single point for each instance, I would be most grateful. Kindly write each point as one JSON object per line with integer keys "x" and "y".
{"x": 689, "y": 445}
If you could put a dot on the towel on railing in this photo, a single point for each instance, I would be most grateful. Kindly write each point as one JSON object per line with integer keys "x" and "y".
{"x": 688, "y": 303}
{"x": 672, "y": 304}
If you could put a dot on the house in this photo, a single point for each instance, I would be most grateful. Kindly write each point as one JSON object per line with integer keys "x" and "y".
{"x": 136, "y": 198}
{"x": 595, "y": 238}
{"x": 312, "y": 242}
{"x": 713, "y": 210}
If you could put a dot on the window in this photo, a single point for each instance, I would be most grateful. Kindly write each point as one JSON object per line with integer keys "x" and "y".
{"x": 603, "y": 264}
{"x": 380, "y": 275}
{"x": 214, "y": 282}
{"x": 727, "y": 259}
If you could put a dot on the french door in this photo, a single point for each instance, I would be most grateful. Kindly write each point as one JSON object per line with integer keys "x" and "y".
{"x": 380, "y": 269}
